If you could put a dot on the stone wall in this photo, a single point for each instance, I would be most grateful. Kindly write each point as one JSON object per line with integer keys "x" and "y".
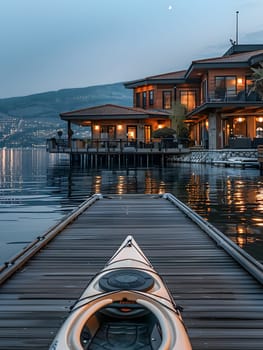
{"x": 209, "y": 156}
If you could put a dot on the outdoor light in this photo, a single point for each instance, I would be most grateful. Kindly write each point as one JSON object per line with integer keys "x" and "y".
{"x": 96, "y": 127}
{"x": 239, "y": 81}
{"x": 260, "y": 119}
{"x": 160, "y": 126}
{"x": 119, "y": 127}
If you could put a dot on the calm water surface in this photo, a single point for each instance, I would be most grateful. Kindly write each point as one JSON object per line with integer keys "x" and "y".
{"x": 37, "y": 190}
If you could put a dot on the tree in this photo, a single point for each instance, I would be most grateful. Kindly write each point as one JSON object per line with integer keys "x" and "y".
{"x": 178, "y": 117}
{"x": 257, "y": 78}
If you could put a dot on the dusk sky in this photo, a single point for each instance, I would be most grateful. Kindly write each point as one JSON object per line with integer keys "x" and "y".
{"x": 49, "y": 45}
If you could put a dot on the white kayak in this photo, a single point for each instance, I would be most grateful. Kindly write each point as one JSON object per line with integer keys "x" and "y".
{"x": 125, "y": 306}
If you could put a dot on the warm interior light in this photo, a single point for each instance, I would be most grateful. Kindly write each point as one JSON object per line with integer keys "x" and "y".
{"x": 119, "y": 127}
{"x": 239, "y": 120}
{"x": 96, "y": 127}
{"x": 206, "y": 124}
{"x": 260, "y": 119}
{"x": 239, "y": 81}
{"x": 160, "y": 126}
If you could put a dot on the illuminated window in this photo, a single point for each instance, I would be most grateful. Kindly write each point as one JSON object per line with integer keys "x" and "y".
{"x": 131, "y": 133}
{"x": 167, "y": 99}
{"x": 188, "y": 99}
{"x": 240, "y": 126}
{"x": 147, "y": 133}
{"x": 225, "y": 86}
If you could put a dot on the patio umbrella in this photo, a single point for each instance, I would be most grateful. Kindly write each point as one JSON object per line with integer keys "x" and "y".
{"x": 164, "y": 132}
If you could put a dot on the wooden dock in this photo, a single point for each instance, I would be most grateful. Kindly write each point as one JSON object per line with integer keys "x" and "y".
{"x": 117, "y": 153}
{"x": 222, "y": 298}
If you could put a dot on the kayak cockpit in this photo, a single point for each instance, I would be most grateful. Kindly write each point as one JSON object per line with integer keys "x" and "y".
{"x": 122, "y": 326}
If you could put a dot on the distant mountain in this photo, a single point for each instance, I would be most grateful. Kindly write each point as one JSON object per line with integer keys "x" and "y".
{"x": 28, "y": 121}
{"x": 49, "y": 104}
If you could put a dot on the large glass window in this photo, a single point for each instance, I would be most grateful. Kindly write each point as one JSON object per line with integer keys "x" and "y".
{"x": 240, "y": 127}
{"x": 108, "y": 132}
{"x": 225, "y": 87}
{"x": 131, "y": 132}
{"x": 188, "y": 99}
{"x": 167, "y": 99}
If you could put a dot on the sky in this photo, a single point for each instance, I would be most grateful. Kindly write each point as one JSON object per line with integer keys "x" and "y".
{"x": 47, "y": 45}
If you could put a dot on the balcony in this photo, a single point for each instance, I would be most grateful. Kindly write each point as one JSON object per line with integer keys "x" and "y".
{"x": 228, "y": 96}
{"x": 113, "y": 146}
{"x": 227, "y": 102}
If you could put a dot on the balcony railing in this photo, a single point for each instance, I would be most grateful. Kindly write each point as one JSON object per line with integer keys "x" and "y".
{"x": 98, "y": 145}
{"x": 228, "y": 96}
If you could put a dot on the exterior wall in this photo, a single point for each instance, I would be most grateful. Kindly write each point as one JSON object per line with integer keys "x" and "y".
{"x": 121, "y": 127}
{"x": 158, "y": 95}
{"x": 239, "y": 73}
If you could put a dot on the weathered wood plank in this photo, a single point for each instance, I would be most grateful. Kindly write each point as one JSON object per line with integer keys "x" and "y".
{"x": 223, "y": 304}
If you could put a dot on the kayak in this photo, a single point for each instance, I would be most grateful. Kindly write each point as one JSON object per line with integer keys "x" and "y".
{"x": 125, "y": 306}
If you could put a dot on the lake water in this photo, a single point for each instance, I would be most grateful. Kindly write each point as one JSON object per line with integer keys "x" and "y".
{"x": 37, "y": 190}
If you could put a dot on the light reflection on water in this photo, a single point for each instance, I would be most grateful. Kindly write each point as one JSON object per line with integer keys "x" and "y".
{"x": 36, "y": 190}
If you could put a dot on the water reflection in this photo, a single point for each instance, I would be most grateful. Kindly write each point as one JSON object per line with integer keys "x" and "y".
{"x": 37, "y": 190}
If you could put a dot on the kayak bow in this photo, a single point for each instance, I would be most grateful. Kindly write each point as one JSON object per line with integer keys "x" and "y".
{"x": 125, "y": 306}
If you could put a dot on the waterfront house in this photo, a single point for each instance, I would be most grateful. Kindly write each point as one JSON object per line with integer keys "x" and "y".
{"x": 113, "y": 126}
{"x": 221, "y": 109}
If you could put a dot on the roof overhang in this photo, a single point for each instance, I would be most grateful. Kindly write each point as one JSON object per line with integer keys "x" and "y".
{"x": 113, "y": 112}
{"x": 226, "y": 110}
{"x": 172, "y": 78}
{"x": 143, "y": 82}
{"x": 113, "y": 117}
{"x": 198, "y": 67}
{"x": 255, "y": 60}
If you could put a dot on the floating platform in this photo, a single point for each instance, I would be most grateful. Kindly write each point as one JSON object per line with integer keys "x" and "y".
{"x": 218, "y": 285}
{"x": 239, "y": 162}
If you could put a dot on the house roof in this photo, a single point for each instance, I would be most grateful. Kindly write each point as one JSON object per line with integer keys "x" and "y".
{"x": 234, "y": 49}
{"x": 238, "y": 56}
{"x": 244, "y": 59}
{"x": 167, "y": 78}
{"x": 111, "y": 111}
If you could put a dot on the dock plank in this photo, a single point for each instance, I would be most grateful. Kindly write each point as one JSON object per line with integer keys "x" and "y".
{"x": 223, "y": 303}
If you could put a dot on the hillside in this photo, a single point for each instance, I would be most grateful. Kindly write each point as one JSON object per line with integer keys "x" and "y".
{"x": 50, "y": 104}
{"x": 29, "y": 120}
